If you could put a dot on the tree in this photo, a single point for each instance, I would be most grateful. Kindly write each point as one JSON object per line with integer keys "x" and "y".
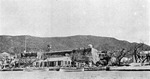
{"x": 105, "y": 57}
{"x": 119, "y": 56}
{"x": 135, "y": 51}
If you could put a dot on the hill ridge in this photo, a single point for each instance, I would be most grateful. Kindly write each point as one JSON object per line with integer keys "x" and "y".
{"x": 16, "y": 44}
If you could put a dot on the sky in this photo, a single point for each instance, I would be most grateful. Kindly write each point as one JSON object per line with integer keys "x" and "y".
{"x": 121, "y": 19}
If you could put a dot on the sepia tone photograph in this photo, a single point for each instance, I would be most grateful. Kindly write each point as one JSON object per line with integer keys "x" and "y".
{"x": 74, "y": 39}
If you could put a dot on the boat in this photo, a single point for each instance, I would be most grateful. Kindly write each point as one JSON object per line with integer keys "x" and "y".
{"x": 17, "y": 69}
{"x": 96, "y": 68}
{"x": 5, "y": 68}
{"x": 54, "y": 68}
{"x": 29, "y": 69}
{"x": 71, "y": 69}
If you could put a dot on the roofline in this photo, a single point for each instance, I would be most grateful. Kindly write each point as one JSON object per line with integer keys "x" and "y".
{"x": 66, "y": 50}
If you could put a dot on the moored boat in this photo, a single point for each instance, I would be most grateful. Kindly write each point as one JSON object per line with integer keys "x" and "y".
{"x": 71, "y": 69}
{"x": 6, "y": 69}
{"x": 54, "y": 68}
{"x": 17, "y": 69}
{"x": 29, "y": 69}
{"x": 97, "y": 69}
{"x": 12, "y": 69}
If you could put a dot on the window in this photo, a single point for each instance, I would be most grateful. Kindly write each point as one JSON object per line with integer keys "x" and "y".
{"x": 52, "y": 64}
{"x": 45, "y": 64}
{"x": 41, "y": 64}
{"x": 37, "y": 64}
{"x": 65, "y": 62}
{"x": 59, "y": 63}
{"x": 68, "y": 62}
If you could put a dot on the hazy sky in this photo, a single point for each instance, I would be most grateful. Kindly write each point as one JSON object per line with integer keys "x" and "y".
{"x": 122, "y": 19}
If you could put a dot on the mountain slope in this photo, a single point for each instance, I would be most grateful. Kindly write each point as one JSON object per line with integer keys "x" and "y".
{"x": 16, "y": 44}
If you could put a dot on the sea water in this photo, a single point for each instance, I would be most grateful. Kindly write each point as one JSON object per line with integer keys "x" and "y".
{"x": 75, "y": 75}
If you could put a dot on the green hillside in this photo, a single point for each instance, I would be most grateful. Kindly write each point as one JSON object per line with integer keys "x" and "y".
{"x": 16, "y": 44}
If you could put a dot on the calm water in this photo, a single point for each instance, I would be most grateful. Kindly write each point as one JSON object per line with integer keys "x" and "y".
{"x": 76, "y": 75}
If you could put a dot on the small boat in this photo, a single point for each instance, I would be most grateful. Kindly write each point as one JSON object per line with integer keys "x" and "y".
{"x": 17, "y": 69}
{"x": 11, "y": 69}
{"x": 29, "y": 69}
{"x": 54, "y": 68}
{"x": 6, "y": 69}
{"x": 97, "y": 68}
{"x": 71, "y": 69}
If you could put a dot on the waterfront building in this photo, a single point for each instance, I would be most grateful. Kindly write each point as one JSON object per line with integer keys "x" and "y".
{"x": 54, "y": 62}
{"x": 75, "y": 57}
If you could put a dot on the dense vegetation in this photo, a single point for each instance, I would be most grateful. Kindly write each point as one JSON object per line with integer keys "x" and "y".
{"x": 16, "y": 44}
